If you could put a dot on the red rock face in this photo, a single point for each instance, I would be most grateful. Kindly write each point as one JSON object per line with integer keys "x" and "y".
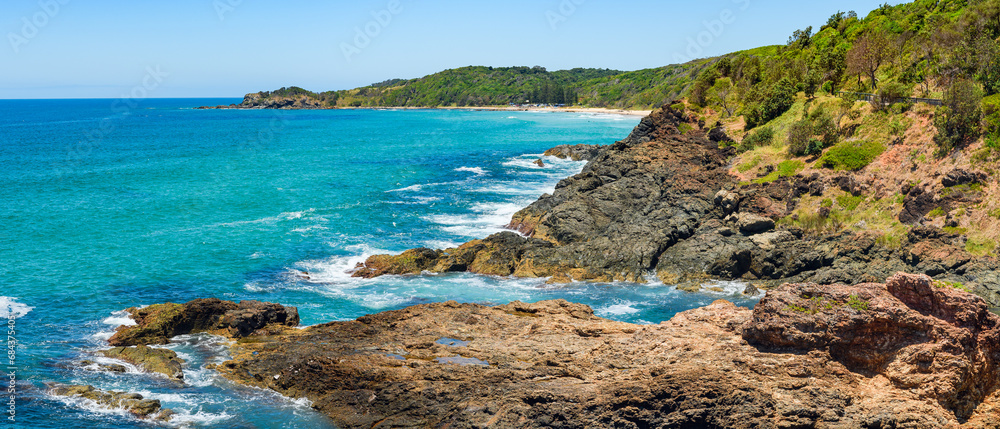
{"x": 923, "y": 336}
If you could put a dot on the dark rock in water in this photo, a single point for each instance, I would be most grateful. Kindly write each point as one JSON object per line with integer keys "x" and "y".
{"x": 751, "y": 290}
{"x": 962, "y": 177}
{"x": 131, "y": 402}
{"x": 539, "y": 162}
{"x": 910, "y": 353}
{"x": 579, "y": 152}
{"x": 161, "y": 361}
{"x": 156, "y": 324}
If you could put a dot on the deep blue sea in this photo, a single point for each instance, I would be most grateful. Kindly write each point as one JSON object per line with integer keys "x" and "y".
{"x": 105, "y": 205}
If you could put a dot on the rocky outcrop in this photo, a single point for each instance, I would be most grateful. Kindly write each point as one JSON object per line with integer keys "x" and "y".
{"x": 633, "y": 201}
{"x": 160, "y": 361}
{"x": 909, "y": 353}
{"x": 579, "y": 152}
{"x": 156, "y": 324}
{"x": 131, "y": 402}
{"x": 662, "y": 201}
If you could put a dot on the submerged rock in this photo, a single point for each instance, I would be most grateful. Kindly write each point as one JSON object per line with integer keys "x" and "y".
{"x": 910, "y": 353}
{"x": 131, "y": 402}
{"x": 156, "y": 324}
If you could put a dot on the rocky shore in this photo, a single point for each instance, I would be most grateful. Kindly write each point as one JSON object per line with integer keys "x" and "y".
{"x": 663, "y": 202}
{"x": 908, "y": 353}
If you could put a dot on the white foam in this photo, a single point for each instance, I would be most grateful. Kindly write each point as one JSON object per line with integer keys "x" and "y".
{"x": 441, "y": 244}
{"x": 413, "y": 188}
{"x": 9, "y": 307}
{"x": 620, "y": 309}
{"x": 119, "y": 318}
{"x": 476, "y": 170}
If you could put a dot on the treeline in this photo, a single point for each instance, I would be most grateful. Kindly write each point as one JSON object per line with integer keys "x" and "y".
{"x": 928, "y": 48}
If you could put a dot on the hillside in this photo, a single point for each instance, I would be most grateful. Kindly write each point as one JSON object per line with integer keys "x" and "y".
{"x": 500, "y": 86}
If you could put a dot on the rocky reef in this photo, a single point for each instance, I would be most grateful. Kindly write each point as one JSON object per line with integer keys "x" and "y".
{"x": 156, "y": 360}
{"x": 908, "y": 353}
{"x": 662, "y": 201}
{"x": 133, "y": 403}
{"x": 156, "y": 324}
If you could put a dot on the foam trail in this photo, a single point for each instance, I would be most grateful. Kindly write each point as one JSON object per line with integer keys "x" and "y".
{"x": 9, "y": 307}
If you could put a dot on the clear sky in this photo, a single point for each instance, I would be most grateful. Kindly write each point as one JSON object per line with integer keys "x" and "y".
{"x": 226, "y": 48}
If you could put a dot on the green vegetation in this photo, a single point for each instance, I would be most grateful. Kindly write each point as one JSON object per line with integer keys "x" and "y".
{"x": 938, "y": 212}
{"x": 958, "y": 120}
{"x": 857, "y": 303}
{"x": 759, "y": 137}
{"x": 785, "y": 169}
{"x": 941, "y": 284}
{"x": 852, "y": 155}
{"x": 849, "y": 203}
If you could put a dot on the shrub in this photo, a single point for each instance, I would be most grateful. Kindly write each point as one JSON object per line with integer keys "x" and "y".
{"x": 991, "y": 121}
{"x": 759, "y": 137}
{"x": 888, "y": 94}
{"x": 777, "y": 100}
{"x": 958, "y": 120}
{"x": 851, "y": 156}
{"x": 798, "y": 137}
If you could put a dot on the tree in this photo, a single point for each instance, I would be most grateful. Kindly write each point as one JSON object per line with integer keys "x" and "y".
{"x": 800, "y": 38}
{"x": 870, "y": 52}
{"x": 723, "y": 93}
{"x": 958, "y": 120}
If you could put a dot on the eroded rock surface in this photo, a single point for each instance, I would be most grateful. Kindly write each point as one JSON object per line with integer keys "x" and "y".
{"x": 160, "y": 361}
{"x": 909, "y": 353}
{"x": 131, "y": 402}
{"x": 156, "y": 324}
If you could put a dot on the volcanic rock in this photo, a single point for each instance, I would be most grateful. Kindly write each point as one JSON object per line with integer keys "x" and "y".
{"x": 156, "y": 324}
{"x": 910, "y": 353}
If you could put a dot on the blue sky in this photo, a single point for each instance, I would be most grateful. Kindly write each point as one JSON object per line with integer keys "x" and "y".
{"x": 226, "y": 48}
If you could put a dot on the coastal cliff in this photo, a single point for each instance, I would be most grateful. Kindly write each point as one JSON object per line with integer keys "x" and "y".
{"x": 908, "y": 353}
{"x": 664, "y": 201}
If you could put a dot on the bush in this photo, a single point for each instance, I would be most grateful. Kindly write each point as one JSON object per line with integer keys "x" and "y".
{"x": 799, "y": 135}
{"x": 958, "y": 120}
{"x": 888, "y": 94}
{"x": 778, "y": 99}
{"x": 851, "y": 156}
{"x": 802, "y": 139}
{"x": 991, "y": 121}
{"x": 759, "y": 137}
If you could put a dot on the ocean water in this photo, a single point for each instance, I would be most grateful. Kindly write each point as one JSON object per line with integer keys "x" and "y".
{"x": 108, "y": 205}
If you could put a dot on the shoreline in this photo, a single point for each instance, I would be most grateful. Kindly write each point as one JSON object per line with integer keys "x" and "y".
{"x": 593, "y": 110}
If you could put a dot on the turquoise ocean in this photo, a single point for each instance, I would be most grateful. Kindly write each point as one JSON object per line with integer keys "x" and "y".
{"x": 107, "y": 205}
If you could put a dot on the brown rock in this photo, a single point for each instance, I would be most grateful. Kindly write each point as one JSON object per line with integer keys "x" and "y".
{"x": 161, "y": 361}
{"x": 906, "y": 354}
{"x": 156, "y": 324}
{"x": 131, "y": 402}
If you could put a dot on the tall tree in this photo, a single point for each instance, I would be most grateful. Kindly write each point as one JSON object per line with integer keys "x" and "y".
{"x": 870, "y": 52}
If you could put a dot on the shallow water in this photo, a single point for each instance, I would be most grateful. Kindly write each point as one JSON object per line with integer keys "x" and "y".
{"x": 106, "y": 208}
